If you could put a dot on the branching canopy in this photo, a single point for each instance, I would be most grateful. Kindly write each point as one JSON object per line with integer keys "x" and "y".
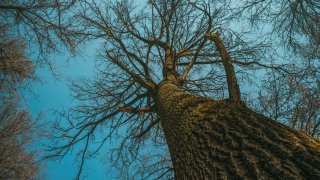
{"x": 142, "y": 45}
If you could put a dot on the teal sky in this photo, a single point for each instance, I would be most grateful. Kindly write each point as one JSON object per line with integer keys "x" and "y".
{"x": 53, "y": 94}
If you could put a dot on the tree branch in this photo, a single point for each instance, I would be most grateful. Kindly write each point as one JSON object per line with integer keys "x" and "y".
{"x": 147, "y": 129}
{"x": 241, "y": 63}
{"x": 130, "y": 109}
{"x": 233, "y": 87}
{"x": 190, "y": 65}
{"x": 136, "y": 77}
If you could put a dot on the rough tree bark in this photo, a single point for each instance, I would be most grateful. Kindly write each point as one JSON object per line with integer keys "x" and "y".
{"x": 211, "y": 139}
{"x": 224, "y": 139}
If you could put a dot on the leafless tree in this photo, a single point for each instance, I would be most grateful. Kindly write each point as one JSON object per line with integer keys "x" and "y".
{"x": 17, "y": 132}
{"x": 43, "y": 25}
{"x": 27, "y": 28}
{"x": 18, "y": 129}
{"x": 293, "y": 98}
{"x": 15, "y": 67}
{"x": 154, "y": 56}
{"x": 293, "y": 26}
{"x": 294, "y": 22}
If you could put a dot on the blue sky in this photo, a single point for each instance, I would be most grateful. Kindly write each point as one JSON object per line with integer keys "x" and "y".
{"x": 55, "y": 94}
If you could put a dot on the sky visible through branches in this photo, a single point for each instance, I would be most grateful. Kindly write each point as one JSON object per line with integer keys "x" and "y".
{"x": 55, "y": 95}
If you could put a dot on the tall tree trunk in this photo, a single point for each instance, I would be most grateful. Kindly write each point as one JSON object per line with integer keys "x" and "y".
{"x": 211, "y": 139}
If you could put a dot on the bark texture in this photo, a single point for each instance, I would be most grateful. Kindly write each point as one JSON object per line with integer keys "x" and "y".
{"x": 211, "y": 139}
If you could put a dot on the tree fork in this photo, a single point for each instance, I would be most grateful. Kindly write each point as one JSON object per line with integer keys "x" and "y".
{"x": 210, "y": 139}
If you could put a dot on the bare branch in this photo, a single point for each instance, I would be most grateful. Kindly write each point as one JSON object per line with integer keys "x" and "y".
{"x": 233, "y": 87}
{"x": 129, "y": 109}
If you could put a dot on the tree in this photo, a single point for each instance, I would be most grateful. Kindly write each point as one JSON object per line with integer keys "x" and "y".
{"x": 131, "y": 100}
{"x": 294, "y": 22}
{"x": 15, "y": 67}
{"x": 290, "y": 97}
{"x": 30, "y": 32}
{"x": 26, "y": 27}
{"x": 17, "y": 132}
{"x": 293, "y": 99}
{"x": 43, "y": 25}
{"x": 17, "y": 127}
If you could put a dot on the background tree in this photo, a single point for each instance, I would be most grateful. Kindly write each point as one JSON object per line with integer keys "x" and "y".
{"x": 156, "y": 58}
{"x": 43, "y": 25}
{"x": 15, "y": 67}
{"x": 27, "y": 29}
{"x": 293, "y": 28}
{"x": 17, "y": 159}
{"x": 293, "y": 99}
{"x": 295, "y": 23}
{"x": 17, "y": 133}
